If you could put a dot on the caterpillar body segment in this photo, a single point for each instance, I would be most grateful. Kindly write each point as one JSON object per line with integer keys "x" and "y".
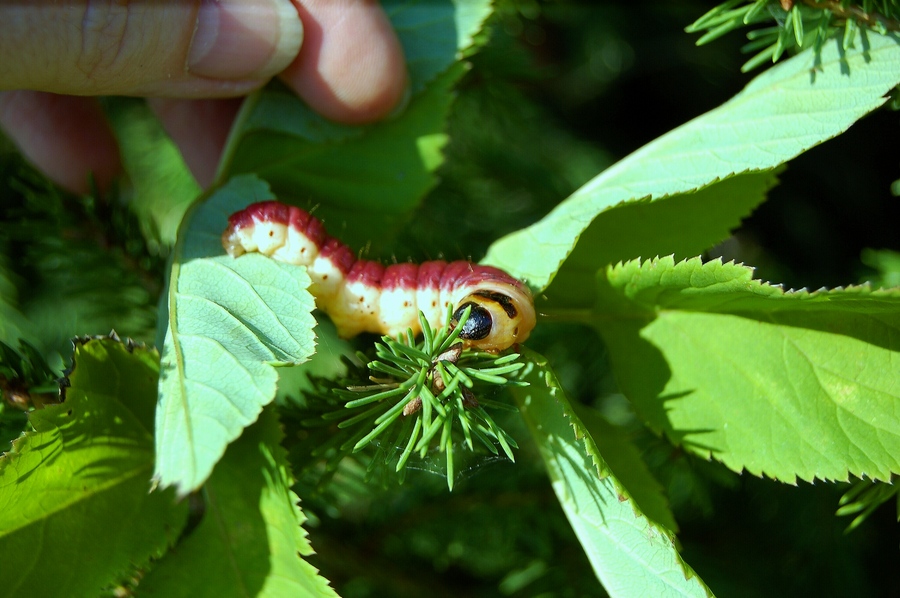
{"x": 366, "y": 296}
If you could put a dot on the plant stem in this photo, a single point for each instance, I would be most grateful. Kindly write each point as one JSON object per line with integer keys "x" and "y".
{"x": 856, "y": 13}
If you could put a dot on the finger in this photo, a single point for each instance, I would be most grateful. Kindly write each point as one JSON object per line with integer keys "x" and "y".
{"x": 66, "y": 136}
{"x": 199, "y": 128}
{"x": 189, "y": 48}
{"x": 351, "y": 66}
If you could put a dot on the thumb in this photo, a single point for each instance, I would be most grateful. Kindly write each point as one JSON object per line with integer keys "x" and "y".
{"x": 191, "y": 48}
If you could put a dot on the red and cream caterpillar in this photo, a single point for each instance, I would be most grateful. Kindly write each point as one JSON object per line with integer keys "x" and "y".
{"x": 365, "y": 296}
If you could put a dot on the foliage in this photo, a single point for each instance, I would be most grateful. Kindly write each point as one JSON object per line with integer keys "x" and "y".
{"x": 666, "y": 390}
{"x": 245, "y": 315}
{"x": 71, "y": 264}
{"x": 828, "y": 390}
{"x": 630, "y": 553}
{"x": 77, "y": 514}
{"x": 768, "y": 123}
{"x": 249, "y": 539}
{"x": 797, "y": 24}
{"x": 431, "y": 384}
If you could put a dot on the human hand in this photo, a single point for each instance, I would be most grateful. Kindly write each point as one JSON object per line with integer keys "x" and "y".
{"x": 193, "y": 59}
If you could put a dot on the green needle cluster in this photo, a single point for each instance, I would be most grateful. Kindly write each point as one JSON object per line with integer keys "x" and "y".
{"x": 414, "y": 396}
{"x": 796, "y": 24}
{"x": 863, "y": 497}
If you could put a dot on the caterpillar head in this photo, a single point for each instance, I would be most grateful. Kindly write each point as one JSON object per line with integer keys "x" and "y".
{"x": 501, "y": 316}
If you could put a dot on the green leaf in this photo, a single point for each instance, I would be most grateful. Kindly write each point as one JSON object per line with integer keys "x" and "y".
{"x": 12, "y": 321}
{"x": 631, "y": 555}
{"x": 162, "y": 186}
{"x": 782, "y": 383}
{"x": 249, "y": 541}
{"x": 434, "y": 34}
{"x": 230, "y": 321}
{"x": 886, "y": 264}
{"x": 76, "y": 510}
{"x": 369, "y": 177}
{"x": 625, "y": 462}
{"x": 786, "y": 110}
{"x": 645, "y": 228}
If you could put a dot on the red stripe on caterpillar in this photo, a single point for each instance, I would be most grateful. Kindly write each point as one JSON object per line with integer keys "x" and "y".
{"x": 365, "y": 296}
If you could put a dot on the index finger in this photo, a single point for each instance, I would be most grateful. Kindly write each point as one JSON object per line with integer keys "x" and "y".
{"x": 351, "y": 67}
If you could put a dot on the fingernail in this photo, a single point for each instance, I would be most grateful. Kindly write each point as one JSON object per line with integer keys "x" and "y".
{"x": 244, "y": 39}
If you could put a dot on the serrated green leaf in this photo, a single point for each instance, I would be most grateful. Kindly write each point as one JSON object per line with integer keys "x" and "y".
{"x": 363, "y": 177}
{"x": 645, "y": 228}
{"x": 631, "y": 555}
{"x": 250, "y": 539}
{"x": 625, "y": 462}
{"x": 76, "y": 509}
{"x": 230, "y": 321}
{"x": 784, "y": 111}
{"x": 781, "y": 383}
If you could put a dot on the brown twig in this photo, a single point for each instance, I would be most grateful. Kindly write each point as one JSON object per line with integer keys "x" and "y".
{"x": 873, "y": 20}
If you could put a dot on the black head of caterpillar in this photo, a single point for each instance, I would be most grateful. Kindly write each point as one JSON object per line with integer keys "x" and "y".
{"x": 497, "y": 320}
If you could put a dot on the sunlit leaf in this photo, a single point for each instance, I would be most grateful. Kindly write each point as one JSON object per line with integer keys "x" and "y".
{"x": 647, "y": 228}
{"x": 434, "y": 34}
{"x": 786, "y": 384}
{"x": 625, "y": 462}
{"x": 230, "y": 321}
{"x": 76, "y": 511}
{"x": 249, "y": 542}
{"x": 631, "y": 555}
{"x": 784, "y": 111}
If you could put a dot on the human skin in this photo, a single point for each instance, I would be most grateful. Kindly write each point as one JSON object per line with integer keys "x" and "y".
{"x": 194, "y": 60}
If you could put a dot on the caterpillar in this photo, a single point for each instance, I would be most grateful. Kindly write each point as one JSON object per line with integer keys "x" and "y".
{"x": 365, "y": 296}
